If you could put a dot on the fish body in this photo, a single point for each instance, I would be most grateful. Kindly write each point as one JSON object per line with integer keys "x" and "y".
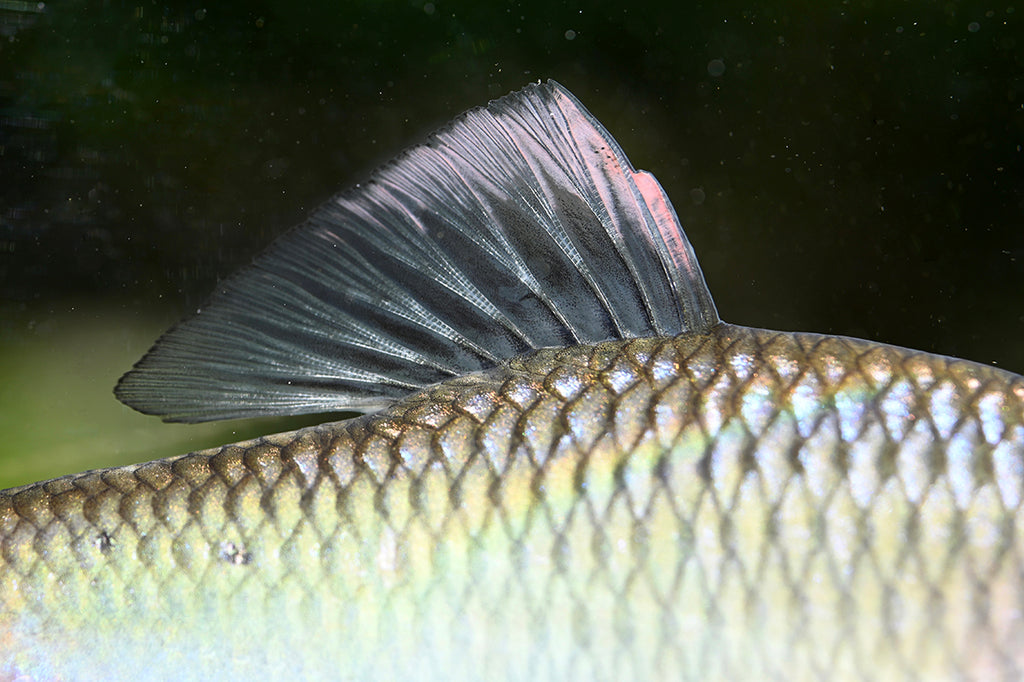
{"x": 714, "y": 503}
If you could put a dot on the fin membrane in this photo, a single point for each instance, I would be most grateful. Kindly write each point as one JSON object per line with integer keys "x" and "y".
{"x": 520, "y": 225}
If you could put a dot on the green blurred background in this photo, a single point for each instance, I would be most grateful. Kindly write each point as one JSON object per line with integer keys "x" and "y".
{"x": 853, "y": 168}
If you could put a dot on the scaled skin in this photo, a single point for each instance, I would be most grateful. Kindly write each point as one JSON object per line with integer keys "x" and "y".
{"x": 742, "y": 504}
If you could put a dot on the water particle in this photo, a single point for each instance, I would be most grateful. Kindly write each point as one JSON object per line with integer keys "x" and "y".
{"x": 716, "y": 67}
{"x": 974, "y": 27}
{"x": 570, "y": 34}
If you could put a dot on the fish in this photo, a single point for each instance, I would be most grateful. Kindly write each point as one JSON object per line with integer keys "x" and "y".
{"x": 567, "y": 466}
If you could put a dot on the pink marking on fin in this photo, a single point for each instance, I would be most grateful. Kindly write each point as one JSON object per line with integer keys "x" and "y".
{"x": 667, "y": 221}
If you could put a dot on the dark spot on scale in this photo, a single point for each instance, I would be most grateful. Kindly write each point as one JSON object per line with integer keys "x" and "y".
{"x": 661, "y": 470}
{"x": 619, "y": 475}
{"x": 704, "y": 470}
{"x": 234, "y": 554}
{"x": 104, "y": 542}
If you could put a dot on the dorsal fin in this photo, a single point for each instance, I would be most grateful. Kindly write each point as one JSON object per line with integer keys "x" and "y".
{"x": 520, "y": 225}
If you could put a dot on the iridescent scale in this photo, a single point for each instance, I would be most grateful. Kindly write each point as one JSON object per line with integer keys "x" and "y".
{"x": 742, "y": 504}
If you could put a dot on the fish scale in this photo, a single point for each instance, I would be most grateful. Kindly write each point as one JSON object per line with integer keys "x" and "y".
{"x": 621, "y": 510}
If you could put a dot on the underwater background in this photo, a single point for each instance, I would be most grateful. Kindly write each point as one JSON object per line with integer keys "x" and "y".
{"x": 849, "y": 167}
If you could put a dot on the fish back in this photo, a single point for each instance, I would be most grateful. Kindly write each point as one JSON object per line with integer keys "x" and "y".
{"x": 741, "y": 504}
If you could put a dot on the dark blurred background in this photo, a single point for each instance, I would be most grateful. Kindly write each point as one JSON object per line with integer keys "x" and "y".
{"x": 853, "y": 168}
